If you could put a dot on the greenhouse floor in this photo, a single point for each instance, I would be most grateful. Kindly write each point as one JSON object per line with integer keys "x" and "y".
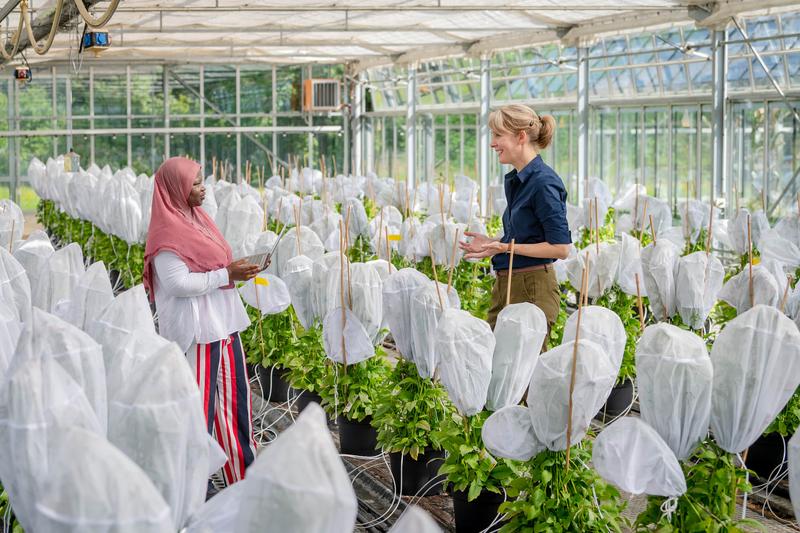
{"x": 373, "y": 485}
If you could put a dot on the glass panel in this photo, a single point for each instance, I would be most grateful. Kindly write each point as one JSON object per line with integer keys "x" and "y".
{"x": 147, "y": 153}
{"x": 184, "y": 90}
{"x": 220, "y": 90}
{"x": 784, "y": 147}
{"x": 147, "y": 93}
{"x": 110, "y": 89}
{"x": 288, "y": 88}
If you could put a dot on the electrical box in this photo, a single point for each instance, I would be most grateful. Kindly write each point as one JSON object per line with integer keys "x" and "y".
{"x": 321, "y": 95}
{"x": 96, "y": 40}
{"x": 22, "y": 74}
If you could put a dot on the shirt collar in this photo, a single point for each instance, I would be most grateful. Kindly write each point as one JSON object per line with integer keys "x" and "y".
{"x": 527, "y": 171}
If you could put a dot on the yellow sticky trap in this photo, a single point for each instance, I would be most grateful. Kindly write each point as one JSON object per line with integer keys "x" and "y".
{"x": 261, "y": 281}
{"x": 395, "y": 237}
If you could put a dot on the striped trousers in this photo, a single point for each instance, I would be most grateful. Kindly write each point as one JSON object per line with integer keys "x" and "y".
{"x": 221, "y": 374}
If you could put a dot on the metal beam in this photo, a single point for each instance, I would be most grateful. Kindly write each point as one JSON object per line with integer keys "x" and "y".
{"x": 722, "y": 10}
{"x": 433, "y": 6}
{"x": 719, "y": 97}
{"x": 411, "y": 128}
{"x": 583, "y": 121}
{"x": 6, "y": 10}
{"x": 167, "y": 131}
{"x": 357, "y": 126}
{"x": 483, "y": 130}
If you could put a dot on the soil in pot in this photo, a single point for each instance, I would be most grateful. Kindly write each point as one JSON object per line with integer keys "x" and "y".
{"x": 304, "y": 398}
{"x": 357, "y": 438}
{"x": 416, "y": 474}
{"x": 619, "y": 400}
{"x": 274, "y": 386}
{"x": 765, "y": 454}
{"x": 477, "y": 515}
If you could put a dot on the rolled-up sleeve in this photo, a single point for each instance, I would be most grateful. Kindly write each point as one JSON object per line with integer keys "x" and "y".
{"x": 175, "y": 279}
{"x": 549, "y": 205}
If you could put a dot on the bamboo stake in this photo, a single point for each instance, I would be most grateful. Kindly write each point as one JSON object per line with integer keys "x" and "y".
{"x": 335, "y": 172}
{"x": 347, "y": 228}
{"x": 750, "y": 260}
{"x": 653, "y": 231}
{"x": 786, "y": 291}
{"x": 435, "y": 276}
{"x": 452, "y": 261}
{"x": 388, "y": 251}
{"x": 341, "y": 293}
{"x": 297, "y": 230}
{"x": 596, "y": 227}
{"x": 644, "y": 222}
{"x": 763, "y": 200}
{"x": 710, "y": 228}
{"x": 380, "y": 231}
{"x": 11, "y": 236}
{"x": 450, "y": 204}
{"x": 510, "y": 271}
{"x": 639, "y": 301}
{"x": 584, "y": 288}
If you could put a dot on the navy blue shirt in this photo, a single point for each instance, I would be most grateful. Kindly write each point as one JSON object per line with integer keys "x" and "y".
{"x": 536, "y": 212}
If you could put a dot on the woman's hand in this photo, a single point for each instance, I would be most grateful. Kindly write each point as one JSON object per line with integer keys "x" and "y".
{"x": 488, "y": 249}
{"x": 241, "y": 270}
{"x": 476, "y": 244}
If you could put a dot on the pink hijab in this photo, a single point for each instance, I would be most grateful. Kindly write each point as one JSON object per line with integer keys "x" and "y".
{"x": 186, "y": 231}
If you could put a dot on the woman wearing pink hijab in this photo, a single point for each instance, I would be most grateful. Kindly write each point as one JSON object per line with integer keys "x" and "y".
{"x": 188, "y": 271}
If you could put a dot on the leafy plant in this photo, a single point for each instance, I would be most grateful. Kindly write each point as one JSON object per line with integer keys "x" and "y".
{"x": 712, "y": 479}
{"x": 469, "y": 466}
{"x": 551, "y": 497}
{"x": 5, "y": 508}
{"x": 270, "y": 339}
{"x": 407, "y": 408}
{"x": 352, "y": 391}
{"x": 626, "y": 308}
{"x": 306, "y": 362}
{"x": 788, "y": 420}
{"x": 557, "y": 331}
{"x": 605, "y": 232}
{"x": 699, "y": 244}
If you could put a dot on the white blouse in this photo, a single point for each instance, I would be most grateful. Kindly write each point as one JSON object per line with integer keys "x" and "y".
{"x": 191, "y": 306}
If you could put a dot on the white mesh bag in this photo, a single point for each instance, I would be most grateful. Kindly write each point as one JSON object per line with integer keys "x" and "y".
{"x": 33, "y": 254}
{"x": 630, "y": 266}
{"x": 756, "y": 362}
{"x": 338, "y": 289}
{"x": 327, "y": 226}
{"x": 464, "y": 345}
{"x": 267, "y": 293}
{"x": 227, "y": 198}
{"x": 15, "y": 289}
{"x": 160, "y": 399}
{"x": 508, "y": 433}
{"x": 95, "y": 488}
{"x": 382, "y": 267}
{"x": 298, "y": 280}
{"x": 409, "y": 231}
{"x": 602, "y": 326}
{"x": 10, "y": 330}
{"x": 794, "y": 472}
{"x": 626, "y": 200}
{"x": 11, "y": 218}
{"x": 660, "y": 266}
{"x": 519, "y": 333}
{"x": 774, "y": 246}
{"x": 298, "y": 483}
{"x": 675, "y": 236}
{"x": 90, "y": 295}
{"x": 397, "y": 291}
{"x": 219, "y": 514}
{"x": 426, "y": 311}
{"x": 319, "y": 284}
{"x": 359, "y": 223}
{"x": 245, "y": 217}
{"x": 548, "y": 395}
{"x": 442, "y": 243}
{"x": 58, "y": 277}
{"x": 123, "y": 212}
{"x": 260, "y": 243}
{"x": 736, "y": 291}
{"x": 415, "y": 520}
{"x": 367, "y": 298}
{"x": 674, "y": 376}
{"x": 309, "y": 245}
{"x": 658, "y": 209}
{"x": 694, "y": 217}
{"x": 631, "y": 455}
{"x": 737, "y": 229}
{"x": 345, "y": 339}
{"x": 789, "y": 228}
{"x": 698, "y": 282}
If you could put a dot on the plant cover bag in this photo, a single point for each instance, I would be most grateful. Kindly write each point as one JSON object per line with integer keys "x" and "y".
{"x": 777, "y": 247}
{"x": 464, "y": 345}
{"x": 91, "y": 294}
{"x": 442, "y": 243}
{"x": 33, "y": 254}
{"x": 794, "y": 473}
{"x": 11, "y": 218}
{"x": 310, "y": 246}
{"x": 156, "y": 418}
{"x": 298, "y": 483}
{"x": 787, "y": 227}
{"x": 737, "y": 229}
{"x": 320, "y": 273}
{"x": 698, "y": 282}
{"x": 359, "y": 223}
{"x": 736, "y": 291}
{"x": 756, "y": 360}
{"x": 397, "y": 291}
{"x": 694, "y": 217}
{"x": 674, "y": 375}
{"x": 630, "y": 265}
{"x": 95, "y": 488}
{"x": 660, "y": 267}
{"x": 415, "y": 520}
{"x": 15, "y": 289}
{"x": 121, "y": 210}
{"x": 298, "y": 279}
{"x": 631, "y": 455}
{"x": 367, "y": 298}
{"x": 10, "y": 331}
{"x": 426, "y": 312}
{"x": 508, "y": 433}
{"x": 57, "y": 278}
{"x": 602, "y": 326}
{"x": 519, "y": 333}
{"x": 548, "y": 395}
{"x": 267, "y": 293}
{"x": 357, "y": 343}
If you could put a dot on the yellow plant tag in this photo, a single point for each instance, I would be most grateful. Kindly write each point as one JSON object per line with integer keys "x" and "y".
{"x": 395, "y": 237}
{"x": 756, "y": 260}
{"x": 262, "y": 281}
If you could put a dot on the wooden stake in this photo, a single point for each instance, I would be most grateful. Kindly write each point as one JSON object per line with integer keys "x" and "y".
{"x": 639, "y": 302}
{"x": 347, "y": 228}
{"x": 435, "y": 276}
{"x": 653, "y": 231}
{"x": 452, "y": 261}
{"x": 786, "y": 292}
{"x": 710, "y": 228}
{"x": 297, "y": 230}
{"x": 409, "y": 209}
{"x": 335, "y": 172}
{"x": 11, "y": 236}
{"x": 584, "y": 288}
{"x": 763, "y": 200}
{"x": 341, "y": 292}
{"x": 388, "y": 251}
{"x": 644, "y": 222}
{"x": 510, "y": 271}
{"x": 380, "y": 232}
{"x": 750, "y": 260}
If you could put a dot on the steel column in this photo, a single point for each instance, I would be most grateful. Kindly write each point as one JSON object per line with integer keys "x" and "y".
{"x": 483, "y": 130}
{"x": 583, "y": 121}
{"x": 719, "y": 96}
{"x": 411, "y": 127}
{"x": 358, "y": 126}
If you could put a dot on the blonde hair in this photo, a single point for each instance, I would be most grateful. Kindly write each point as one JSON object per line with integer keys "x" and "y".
{"x": 515, "y": 118}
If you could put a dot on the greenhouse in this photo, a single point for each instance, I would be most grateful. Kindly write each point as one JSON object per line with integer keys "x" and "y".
{"x": 408, "y": 266}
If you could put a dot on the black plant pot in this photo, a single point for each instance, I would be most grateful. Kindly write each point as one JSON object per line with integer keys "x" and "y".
{"x": 477, "y": 515}
{"x": 304, "y": 398}
{"x": 357, "y": 438}
{"x": 618, "y": 401}
{"x": 274, "y": 386}
{"x": 251, "y": 370}
{"x": 416, "y": 474}
{"x": 113, "y": 276}
{"x": 766, "y": 454}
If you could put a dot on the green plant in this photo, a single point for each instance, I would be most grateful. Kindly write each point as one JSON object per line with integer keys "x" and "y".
{"x": 557, "y": 331}
{"x": 306, "y": 362}
{"x": 551, "y": 497}
{"x": 605, "y": 232}
{"x": 626, "y": 308}
{"x": 494, "y": 225}
{"x": 270, "y": 338}
{"x": 474, "y": 286}
{"x": 469, "y": 466}
{"x": 712, "y": 480}
{"x": 788, "y": 420}
{"x": 699, "y": 244}
{"x": 5, "y": 508}
{"x": 722, "y": 313}
{"x": 352, "y": 391}
{"x": 407, "y": 408}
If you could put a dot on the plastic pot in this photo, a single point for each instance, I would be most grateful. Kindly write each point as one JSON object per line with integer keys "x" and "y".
{"x": 274, "y": 386}
{"x": 766, "y": 454}
{"x": 477, "y": 515}
{"x": 357, "y": 438}
{"x": 417, "y": 473}
{"x": 306, "y": 397}
{"x": 618, "y": 401}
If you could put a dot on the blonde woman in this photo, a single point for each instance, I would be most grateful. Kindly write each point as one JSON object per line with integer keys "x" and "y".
{"x": 536, "y": 216}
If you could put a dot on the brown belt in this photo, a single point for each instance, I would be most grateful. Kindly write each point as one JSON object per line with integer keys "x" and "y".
{"x": 504, "y": 272}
